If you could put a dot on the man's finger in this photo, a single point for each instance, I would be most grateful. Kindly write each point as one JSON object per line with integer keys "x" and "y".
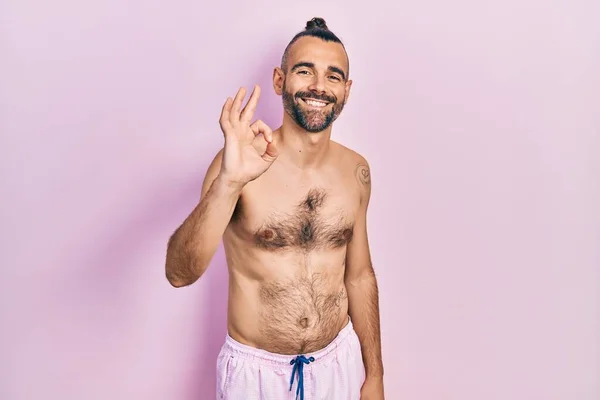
{"x": 259, "y": 127}
{"x": 271, "y": 152}
{"x": 234, "y": 116}
{"x": 225, "y": 112}
{"x": 250, "y": 108}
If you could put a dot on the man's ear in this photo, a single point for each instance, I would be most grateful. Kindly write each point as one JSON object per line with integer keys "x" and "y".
{"x": 278, "y": 79}
{"x": 347, "y": 90}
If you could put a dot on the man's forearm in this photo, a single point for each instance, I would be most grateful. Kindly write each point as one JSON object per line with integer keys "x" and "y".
{"x": 363, "y": 300}
{"x": 195, "y": 242}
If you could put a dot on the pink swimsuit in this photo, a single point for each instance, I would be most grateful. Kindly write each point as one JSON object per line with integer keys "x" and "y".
{"x": 333, "y": 373}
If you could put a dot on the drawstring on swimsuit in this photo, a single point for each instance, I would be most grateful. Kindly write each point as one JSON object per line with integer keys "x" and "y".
{"x": 298, "y": 364}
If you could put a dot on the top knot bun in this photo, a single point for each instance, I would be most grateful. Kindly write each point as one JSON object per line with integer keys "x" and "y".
{"x": 316, "y": 23}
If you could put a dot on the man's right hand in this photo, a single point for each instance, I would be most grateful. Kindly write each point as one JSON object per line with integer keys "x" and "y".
{"x": 242, "y": 163}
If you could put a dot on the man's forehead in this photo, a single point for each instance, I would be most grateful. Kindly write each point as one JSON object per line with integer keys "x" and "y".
{"x": 318, "y": 52}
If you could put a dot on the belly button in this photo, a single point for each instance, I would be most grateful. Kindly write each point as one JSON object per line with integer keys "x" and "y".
{"x": 303, "y": 323}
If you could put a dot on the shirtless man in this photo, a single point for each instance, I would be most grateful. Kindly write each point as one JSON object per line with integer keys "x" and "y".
{"x": 290, "y": 206}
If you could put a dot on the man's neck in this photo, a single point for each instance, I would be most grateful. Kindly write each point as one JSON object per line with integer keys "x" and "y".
{"x": 304, "y": 149}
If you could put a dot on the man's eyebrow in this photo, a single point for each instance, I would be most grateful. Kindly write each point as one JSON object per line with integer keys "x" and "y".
{"x": 331, "y": 68}
{"x": 303, "y": 64}
{"x": 337, "y": 71}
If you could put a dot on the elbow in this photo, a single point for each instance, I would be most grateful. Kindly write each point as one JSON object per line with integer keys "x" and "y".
{"x": 177, "y": 274}
{"x": 175, "y": 281}
{"x": 182, "y": 268}
{"x": 173, "y": 278}
{"x": 174, "y": 271}
{"x": 181, "y": 273}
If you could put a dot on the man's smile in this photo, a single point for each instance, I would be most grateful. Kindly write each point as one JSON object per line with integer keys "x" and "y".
{"x": 314, "y": 103}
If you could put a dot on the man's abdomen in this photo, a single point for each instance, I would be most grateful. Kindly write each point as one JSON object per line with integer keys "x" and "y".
{"x": 294, "y": 314}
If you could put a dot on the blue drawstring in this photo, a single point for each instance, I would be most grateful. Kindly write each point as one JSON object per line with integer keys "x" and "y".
{"x": 298, "y": 364}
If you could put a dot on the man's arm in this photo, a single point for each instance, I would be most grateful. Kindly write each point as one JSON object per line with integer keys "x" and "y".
{"x": 193, "y": 245}
{"x": 361, "y": 283}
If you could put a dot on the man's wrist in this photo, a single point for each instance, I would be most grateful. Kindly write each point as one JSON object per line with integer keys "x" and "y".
{"x": 374, "y": 375}
{"x": 229, "y": 185}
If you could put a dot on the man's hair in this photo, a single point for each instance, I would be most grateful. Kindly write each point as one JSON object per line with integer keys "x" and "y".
{"x": 316, "y": 27}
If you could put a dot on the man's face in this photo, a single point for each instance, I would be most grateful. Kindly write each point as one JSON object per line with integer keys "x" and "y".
{"x": 316, "y": 86}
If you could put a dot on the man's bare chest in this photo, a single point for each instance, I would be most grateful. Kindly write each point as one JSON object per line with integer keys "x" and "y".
{"x": 311, "y": 219}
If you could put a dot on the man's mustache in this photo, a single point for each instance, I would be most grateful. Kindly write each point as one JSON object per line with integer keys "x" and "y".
{"x": 315, "y": 96}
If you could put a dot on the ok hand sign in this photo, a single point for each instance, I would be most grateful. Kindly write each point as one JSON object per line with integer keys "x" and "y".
{"x": 242, "y": 163}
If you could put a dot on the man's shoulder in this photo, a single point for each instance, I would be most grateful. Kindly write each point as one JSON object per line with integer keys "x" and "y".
{"x": 348, "y": 155}
{"x": 357, "y": 165}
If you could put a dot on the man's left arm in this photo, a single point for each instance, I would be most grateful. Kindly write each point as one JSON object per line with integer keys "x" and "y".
{"x": 363, "y": 295}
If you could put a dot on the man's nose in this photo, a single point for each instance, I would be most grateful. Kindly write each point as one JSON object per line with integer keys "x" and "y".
{"x": 318, "y": 84}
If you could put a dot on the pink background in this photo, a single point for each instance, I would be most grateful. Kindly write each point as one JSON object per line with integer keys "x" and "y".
{"x": 480, "y": 121}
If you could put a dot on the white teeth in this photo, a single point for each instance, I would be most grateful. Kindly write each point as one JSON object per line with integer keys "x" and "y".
{"x": 315, "y": 103}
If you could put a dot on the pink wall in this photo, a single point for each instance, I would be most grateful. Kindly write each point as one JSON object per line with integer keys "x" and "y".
{"x": 481, "y": 123}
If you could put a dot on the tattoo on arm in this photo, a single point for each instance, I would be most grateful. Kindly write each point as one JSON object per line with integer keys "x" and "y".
{"x": 363, "y": 174}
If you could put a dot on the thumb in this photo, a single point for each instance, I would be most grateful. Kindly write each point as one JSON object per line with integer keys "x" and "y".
{"x": 270, "y": 153}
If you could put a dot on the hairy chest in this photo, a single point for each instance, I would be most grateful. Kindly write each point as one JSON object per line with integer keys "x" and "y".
{"x": 313, "y": 219}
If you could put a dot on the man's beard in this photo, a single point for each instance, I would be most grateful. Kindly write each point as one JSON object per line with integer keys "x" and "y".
{"x": 313, "y": 120}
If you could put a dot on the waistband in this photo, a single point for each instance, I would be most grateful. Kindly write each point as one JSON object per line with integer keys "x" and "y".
{"x": 260, "y": 355}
